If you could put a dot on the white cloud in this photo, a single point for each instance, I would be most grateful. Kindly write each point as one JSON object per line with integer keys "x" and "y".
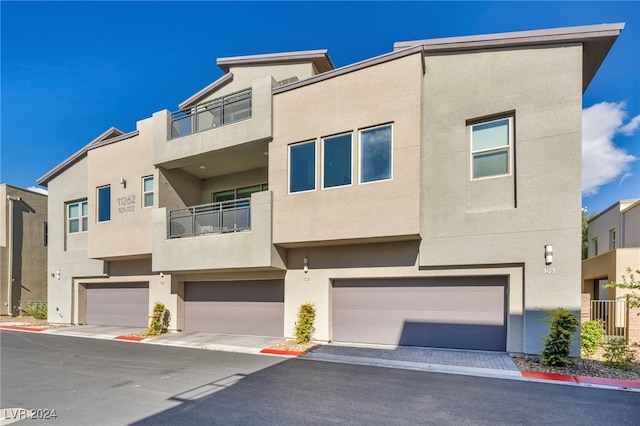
{"x": 602, "y": 161}
{"x": 38, "y": 190}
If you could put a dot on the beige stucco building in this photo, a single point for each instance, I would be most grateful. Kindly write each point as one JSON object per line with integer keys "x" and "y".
{"x": 411, "y": 197}
{"x": 23, "y": 249}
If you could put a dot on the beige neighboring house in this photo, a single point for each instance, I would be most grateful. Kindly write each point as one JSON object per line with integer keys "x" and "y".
{"x": 413, "y": 197}
{"x": 23, "y": 249}
{"x": 614, "y": 247}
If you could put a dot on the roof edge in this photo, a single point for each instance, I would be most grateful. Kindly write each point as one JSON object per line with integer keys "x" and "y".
{"x": 320, "y": 58}
{"x": 193, "y": 99}
{"x": 350, "y": 68}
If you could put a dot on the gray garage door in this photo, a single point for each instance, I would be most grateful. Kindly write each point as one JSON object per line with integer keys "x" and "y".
{"x": 235, "y": 307}
{"x": 462, "y": 313}
{"x": 124, "y": 305}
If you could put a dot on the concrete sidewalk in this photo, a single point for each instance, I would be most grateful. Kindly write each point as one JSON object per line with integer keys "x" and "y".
{"x": 474, "y": 363}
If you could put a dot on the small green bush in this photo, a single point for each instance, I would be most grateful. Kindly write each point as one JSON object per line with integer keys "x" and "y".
{"x": 557, "y": 345}
{"x": 304, "y": 326}
{"x": 37, "y": 311}
{"x": 159, "y": 320}
{"x": 591, "y": 336}
{"x": 618, "y": 355}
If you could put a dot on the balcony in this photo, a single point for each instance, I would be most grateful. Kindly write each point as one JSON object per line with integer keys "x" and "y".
{"x": 217, "y": 133}
{"x": 220, "y": 236}
{"x": 218, "y": 112}
{"x": 216, "y": 218}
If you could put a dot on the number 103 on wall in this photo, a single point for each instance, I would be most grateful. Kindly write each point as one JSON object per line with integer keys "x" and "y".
{"x": 549, "y": 270}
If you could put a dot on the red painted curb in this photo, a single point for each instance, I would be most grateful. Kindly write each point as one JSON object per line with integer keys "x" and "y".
{"x": 281, "y": 352}
{"x": 18, "y": 327}
{"x": 608, "y": 382}
{"x": 546, "y": 376}
{"x": 131, "y": 338}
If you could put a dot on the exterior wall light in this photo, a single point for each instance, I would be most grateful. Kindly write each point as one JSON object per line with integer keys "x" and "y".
{"x": 306, "y": 264}
{"x": 123, "y": 181}
{"x": 58, "y": 274}
{"x": 548, "y": 254}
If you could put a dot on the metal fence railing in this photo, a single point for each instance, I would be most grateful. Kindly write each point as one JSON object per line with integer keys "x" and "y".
{"x": 216, "y": 218}
{"x": 217, "y": 112}
{"x": 613, "y": 314}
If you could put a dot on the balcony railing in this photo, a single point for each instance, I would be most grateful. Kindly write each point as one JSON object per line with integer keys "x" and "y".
{"x": 218, "y": 112}
{"x": 214, "y": 218}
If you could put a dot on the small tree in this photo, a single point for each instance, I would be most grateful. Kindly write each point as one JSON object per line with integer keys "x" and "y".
{"x": 557, "y": 345}
{"x": 591, "y": 336}
{"x": 633, "y": 298}
{"x": 159, "y": 320}
{"x": 304, "y": 326}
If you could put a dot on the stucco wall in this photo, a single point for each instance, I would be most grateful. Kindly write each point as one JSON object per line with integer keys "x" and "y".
{"x": 128, "y": 233}
{"x": 70, "y": 185}
{"x": 631, "y": 221}
{"x": 387, "y": 93}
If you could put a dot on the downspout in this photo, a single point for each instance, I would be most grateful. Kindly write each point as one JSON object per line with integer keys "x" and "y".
{"x": 10, "y": 256}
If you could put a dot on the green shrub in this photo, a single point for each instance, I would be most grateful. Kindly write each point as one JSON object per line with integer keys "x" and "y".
{"x": 618, "y": 355}
{"x": 591, "y": 336}
{"x": 37, "y": 311}
{"x": 304, "y": 326}
{"x": 159, "y": 320}
{"x": 557, "y": 345}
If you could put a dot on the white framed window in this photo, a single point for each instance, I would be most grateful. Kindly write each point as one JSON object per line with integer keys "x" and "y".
{"x": 594, "y": 244}
{"x": 238, "y": 193}
{"x": 337, "y": 160}
{"x": 104, "y": 204}
{"x": 376, "y": 153}
{"x": 612, "y": 239}
{"x": 147, "y": 191}
{"x": 77, "y": 217}
{"x": 302, "y": 167}
{"x": 491, "y": 148}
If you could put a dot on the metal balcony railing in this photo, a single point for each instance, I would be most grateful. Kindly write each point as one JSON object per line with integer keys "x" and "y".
{"x": 213, "y": 218}
{"x": 613, "y": 314}
{"x": 218, "y": 112}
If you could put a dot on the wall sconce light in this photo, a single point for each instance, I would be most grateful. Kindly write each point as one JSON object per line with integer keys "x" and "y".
{"x": 306, "y": 264}
{"x": 58, "y": 274}
{"x": 123, "y": 181}
{"x": 548, "y": 254}
{"x": 161, "y": 274}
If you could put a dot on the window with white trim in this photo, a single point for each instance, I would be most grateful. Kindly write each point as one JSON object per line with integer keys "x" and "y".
{"x": 491, "y": 147}
{"x": 77, "y": 217}
{"x": 104, "y": 203}
{"x": 612, "y": 239}
{"x": 594, "y": 244}
{"x": 337, "y": 152}
{"x": 376, "y": 146}
{"x": 147, "y": 191}
{"x": 302, "y": 167}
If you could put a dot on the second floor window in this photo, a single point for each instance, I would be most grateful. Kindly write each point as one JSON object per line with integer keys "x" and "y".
{"x": 491, "y": 148}
{"x": 336, "y": 155}
{"x": 147, "y": 191}
{"x": 77, "y": 217}
{"x": 594, "y": 243}
{"x": 375, "y": 154}
{"x": 612, "y": 239}
{"x": 104, "y": 204}
{"x": 302, "y": 167}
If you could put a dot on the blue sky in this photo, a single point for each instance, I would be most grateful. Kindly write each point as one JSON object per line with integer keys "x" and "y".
{"x": 70, "y": 70}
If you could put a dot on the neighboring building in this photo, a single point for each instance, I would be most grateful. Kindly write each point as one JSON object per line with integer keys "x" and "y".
{"x": 409, "y": 196}
{"x": 614, "y": 246}
{"x": 23, "y": 249}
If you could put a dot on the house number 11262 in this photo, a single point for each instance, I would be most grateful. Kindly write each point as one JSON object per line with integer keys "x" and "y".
{"x": 549, "y": 270}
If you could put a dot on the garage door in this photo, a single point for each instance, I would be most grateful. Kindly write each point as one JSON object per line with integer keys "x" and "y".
{"x": 235, "y": 307}
{"x": 462, "y": 313}
{"x": 124, "y": 305}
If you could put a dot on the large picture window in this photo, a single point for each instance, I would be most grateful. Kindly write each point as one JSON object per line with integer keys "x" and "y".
{"x": 337, "y": 153}
{"x": 375, "y": 154}
{"x": 77, "y": 217}
{"x": 491, "y": 148}
{"x": 104, "y": 203}
{"x": 302, "y": 167}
